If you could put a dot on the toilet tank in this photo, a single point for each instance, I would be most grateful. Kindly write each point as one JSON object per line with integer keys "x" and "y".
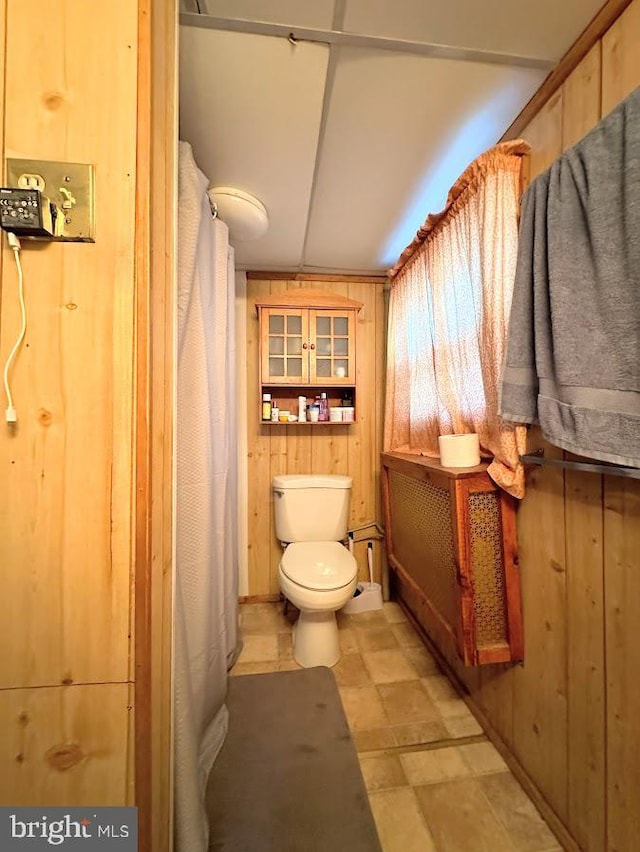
{"x": 311, "y": 508}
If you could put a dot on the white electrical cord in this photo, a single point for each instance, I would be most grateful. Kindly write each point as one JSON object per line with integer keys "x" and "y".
{"x": 10, "y": 414}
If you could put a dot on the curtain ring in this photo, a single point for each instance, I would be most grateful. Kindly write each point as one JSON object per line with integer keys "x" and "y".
{"x": 214, "y": 209}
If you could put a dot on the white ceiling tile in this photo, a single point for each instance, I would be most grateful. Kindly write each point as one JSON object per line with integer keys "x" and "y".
{"x": 250, "y": 106}
{"x": 544, "y": 29}
{"x": 317, "y": 14}
{"x": 400, "y": 130}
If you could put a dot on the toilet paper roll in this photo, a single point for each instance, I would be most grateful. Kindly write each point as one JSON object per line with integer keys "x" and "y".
{"x": 459, "y": 450}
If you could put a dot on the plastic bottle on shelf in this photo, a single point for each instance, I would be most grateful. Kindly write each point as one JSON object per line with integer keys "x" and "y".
{"x": 302, "y": 409}
{"x": 324, "y": 408}
{"x": 266, "y": 406}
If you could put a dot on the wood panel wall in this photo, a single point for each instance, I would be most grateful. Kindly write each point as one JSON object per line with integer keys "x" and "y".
{"x": 570, "y": 715}
{"x": 75, "y": 511}
{"x": 351, "y": 450}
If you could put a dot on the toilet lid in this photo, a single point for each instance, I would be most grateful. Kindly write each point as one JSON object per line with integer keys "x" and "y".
{"x": 319, "y": 565}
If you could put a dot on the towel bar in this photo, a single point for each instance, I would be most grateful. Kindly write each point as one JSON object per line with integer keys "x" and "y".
{"x": 606, "y": 468}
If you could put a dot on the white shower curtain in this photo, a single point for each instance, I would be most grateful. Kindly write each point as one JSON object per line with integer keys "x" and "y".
{"x": 206, "y": 480}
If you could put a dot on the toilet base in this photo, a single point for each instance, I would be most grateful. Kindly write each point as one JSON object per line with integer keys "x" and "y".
{"x": 315, "y": 639}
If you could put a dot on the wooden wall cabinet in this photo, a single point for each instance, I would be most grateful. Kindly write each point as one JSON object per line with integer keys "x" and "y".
{"x": 307, "y": 345}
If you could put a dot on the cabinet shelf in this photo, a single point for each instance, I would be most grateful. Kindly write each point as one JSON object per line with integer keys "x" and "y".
{"x": 307, "y": 423}
{"x": 286, "y": 399}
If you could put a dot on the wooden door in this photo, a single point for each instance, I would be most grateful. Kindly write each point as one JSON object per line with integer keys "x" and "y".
{"x": 332, "y": 347}
{"x": 284, "y": 346}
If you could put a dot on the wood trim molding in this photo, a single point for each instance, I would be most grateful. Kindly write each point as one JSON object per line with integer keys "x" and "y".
{"x": 427, "y": 468}
{"x": 141, "y": 744}
{"x": 307, "y": 299}
{"x": 316, "y": 276}
{"x": 607, "y": 16}
{"x": 153, "y": 426}
{"x": 255, "y": 599}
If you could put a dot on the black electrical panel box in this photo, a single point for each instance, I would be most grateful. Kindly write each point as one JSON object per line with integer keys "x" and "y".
{"x": 27, "y": 212}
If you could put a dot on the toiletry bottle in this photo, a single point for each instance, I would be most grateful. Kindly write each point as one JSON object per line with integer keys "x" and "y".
{"x": 302, "y": 409}
{"x": 266, "y": 406}
{"x": 324, "y": 408}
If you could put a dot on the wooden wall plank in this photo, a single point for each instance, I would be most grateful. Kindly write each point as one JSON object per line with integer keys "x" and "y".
{"x": 621, "y": 58}
{"x": 544, "y": 134}
{"x": 540, "y": 685}
{"x": 620, "y": 75}
{"x": 380, "y": 382}
{"x": 581, "y": 98}
{"x": 585, "y": 665}
{"x": 494, "y": 695}
{"x": 362, "y": 456}
{"x": 65, "y": 745}
{"x": 622, "y": 601}
{"x": 258, "y": 453}
{"x": 278, "y": 445}
{"x": 65, "y": 514}
{"x": 584, "y": 563}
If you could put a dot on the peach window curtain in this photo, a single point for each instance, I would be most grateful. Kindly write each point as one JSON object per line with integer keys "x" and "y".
{"x": 448, "y": 315}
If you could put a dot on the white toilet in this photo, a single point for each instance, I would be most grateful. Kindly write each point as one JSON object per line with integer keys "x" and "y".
{"x": 317, "y": 573}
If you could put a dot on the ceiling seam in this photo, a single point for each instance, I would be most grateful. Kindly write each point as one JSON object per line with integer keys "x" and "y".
{"x": 326, "y": 100}
{"x": 335, "y": 38}
{"x": 339, "y": 12}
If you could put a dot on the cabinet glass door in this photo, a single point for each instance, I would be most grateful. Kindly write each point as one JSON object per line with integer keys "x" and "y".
{"x": 332, "y": 347}
{"x": 285, "y": 352}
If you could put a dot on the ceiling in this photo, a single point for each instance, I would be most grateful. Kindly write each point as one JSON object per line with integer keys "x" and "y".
{"x": 350, "y": 119}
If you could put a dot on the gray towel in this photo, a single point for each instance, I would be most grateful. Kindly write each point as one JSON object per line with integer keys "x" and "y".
{"x": 573, "y": 352}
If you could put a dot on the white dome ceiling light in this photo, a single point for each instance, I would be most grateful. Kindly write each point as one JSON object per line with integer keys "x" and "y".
{"x": 245, "y": 216}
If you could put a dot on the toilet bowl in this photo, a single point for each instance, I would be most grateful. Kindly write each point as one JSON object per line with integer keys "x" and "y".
{"x": 318, "y": 577}
{"x": 316, "y": 573}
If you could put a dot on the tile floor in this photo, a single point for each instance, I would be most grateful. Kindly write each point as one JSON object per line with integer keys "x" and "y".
{"x": 435, "y": 783}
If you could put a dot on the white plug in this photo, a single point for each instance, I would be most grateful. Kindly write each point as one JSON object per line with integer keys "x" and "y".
{"x": 10, "y": 414}
{"x": 13, "y": 241}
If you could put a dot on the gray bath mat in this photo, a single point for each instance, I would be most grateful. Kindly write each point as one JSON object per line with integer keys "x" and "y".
{"x": 287, "y": 778}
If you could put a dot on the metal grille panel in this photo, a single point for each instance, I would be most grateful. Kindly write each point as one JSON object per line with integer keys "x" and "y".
{"x": 487, "y": 568}
{"x": 423, "y": 540}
